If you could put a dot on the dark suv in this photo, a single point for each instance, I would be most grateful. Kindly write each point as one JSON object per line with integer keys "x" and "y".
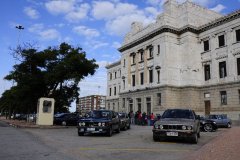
{"x": 99, "y": 121}
{"x": 177, "y": 123}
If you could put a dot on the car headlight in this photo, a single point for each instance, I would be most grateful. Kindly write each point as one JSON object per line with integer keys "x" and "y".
{"x": 79, "y": 124}
{"x": 214, "y": 122}
{"x": 161, "y": 126}
{"x": 83, "y": 124}
{"x": 103, "y": 124}
{"x": 99, "y": 124}
{"x": 184, "y": 127}
{"x": 189, "y": 127}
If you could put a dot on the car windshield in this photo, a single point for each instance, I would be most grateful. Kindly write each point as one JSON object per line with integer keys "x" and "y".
{"x": 122, "y": 115}
{"x": 187, "y": 114}
{"x": 98, "y": 114}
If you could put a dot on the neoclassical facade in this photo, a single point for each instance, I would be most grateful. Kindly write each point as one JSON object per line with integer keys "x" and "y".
{"x": 188, "y": 58}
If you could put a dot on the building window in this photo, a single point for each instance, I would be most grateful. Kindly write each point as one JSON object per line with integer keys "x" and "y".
{"x": 206, "y": 45}
{"x": 239, "y": 96}
{"x": 141, "y": 78}
{"x": 238, "y": 66}
{"x": 123, "y": 84}
{"x": 238, "y": 35}
{"x": 159, "y": 99}
{"x": 141, "y": 55}
{"x": 223, "y": 97}
{"x": 158, "y": 76}
{"x": 207, "y": 72}
{"x": 158, "y": 48}
{"x": 151, "y": 76}
{"x": 130, "y": 104}
{"x": 124, "y": 63}
{"x": 139, "y": 104}
{"x": 133, "y": 80}
{"x": 133, "y": 58}
{"x": 123, "y": 101}
{"x": 115, "y": 75}
{"x": 110, "y": 91}
{"x": 221, "y": 41}
{"x": 110, "y": 76}
{"x": 119, "y": 88}
{"x": 222, "y": 69}
{"x": 151, "y": 52}
{"x": 115, "y": 91}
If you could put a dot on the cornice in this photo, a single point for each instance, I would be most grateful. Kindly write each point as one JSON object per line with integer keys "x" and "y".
{"x": 188, "y": 28}
{"x": 113, "y": 64}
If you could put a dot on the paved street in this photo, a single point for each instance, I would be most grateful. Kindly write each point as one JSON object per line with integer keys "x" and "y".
{"x": 135, "y": 143}
{"x": 17, "y": 144}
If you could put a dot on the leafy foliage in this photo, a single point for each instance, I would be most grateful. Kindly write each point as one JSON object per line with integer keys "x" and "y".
{"x": 53, "y": 72}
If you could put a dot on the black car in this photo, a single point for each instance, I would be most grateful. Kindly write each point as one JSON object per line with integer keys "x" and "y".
{"x": 66, "y": 119}
{"x": 99, "y": 121}
{"x": 208, "y": 125}
{"x": 221, "y": 120}
{"x": 178, "y": 124}
{"x": 125, "y": 122}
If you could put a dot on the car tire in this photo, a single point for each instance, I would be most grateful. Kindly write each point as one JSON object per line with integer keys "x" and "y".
{"x": 125, "y": 127}
{"x": 64, "y": 123}
{"x": 195, "y": 138}
{"x": 109, "y": 133}
{"x": 156, "y": 138}
{"x": 229, "y": 125}
{"x": 118, "y": 130}
{"x": 208, "y": 127}
{"x": 80, "y": 134}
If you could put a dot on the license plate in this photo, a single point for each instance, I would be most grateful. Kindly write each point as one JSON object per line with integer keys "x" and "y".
{"x": 172, "y": 133}
{"x": 90, "y": 129}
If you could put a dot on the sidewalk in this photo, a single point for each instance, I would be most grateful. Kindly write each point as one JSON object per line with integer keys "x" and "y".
{"x": 224, "y": 147}
{"x": 24, "y": 124}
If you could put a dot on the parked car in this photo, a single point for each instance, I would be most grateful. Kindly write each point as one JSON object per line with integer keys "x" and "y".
{"x": 177, "y": 123}
{"x": 125, "y": 122}
{"x": 66, "y": 119}
{"x": 221, "y": 120}
{"x": 208, "y": 125}
{"x": 99, "y": 121}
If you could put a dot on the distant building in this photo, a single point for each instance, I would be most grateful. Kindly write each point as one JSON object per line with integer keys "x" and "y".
{"x": 189, "y": 57}
{"x": 92, "y": 102}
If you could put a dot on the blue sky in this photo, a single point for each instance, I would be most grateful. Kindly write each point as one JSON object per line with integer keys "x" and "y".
{"x": 98, "y": 26}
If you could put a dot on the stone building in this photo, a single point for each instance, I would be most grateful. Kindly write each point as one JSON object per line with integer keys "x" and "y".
{"x": 92, "y": 102}
{"x": 188, "y": 58}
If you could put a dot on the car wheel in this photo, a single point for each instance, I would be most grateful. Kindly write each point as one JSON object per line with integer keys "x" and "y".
{"x": 80, "y": 134}
{"x": 156, "y": 137}
{"x": 195, "y": 138}
{"x": 129, "y": 126}
{"x": 208, "y": 127}
{"x": 109, "y": 134}
{"x": 64, "y": 123}
{"x": 125, "y": 127}
{"x": 118, "y": 130}
{"x": 229, "y": 125}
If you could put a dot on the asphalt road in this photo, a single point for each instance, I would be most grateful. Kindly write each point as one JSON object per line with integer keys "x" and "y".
{"x": 134, "y": 144}
{"x": 17, "y": 144}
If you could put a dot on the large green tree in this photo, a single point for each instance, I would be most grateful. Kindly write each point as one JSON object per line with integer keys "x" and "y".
{"x": 54, "y": 72}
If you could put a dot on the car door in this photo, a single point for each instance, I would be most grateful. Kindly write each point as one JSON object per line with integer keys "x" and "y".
{"x": 114, "y": 120}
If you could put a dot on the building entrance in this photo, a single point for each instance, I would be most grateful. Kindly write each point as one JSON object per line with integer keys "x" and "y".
{"x": 207, "y": 107}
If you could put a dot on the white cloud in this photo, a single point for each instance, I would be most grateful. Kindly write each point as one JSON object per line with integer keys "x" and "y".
{"x": 121, "y": 25}
{"x": 60, "y": 6}
{"x": 43, "y": 33}
{"x": 156, "y": 2}
{"x": 218, "y": 8}
{"x": 78, "y": 13}
{"x": 93, "y": 44}
{"x": 102, "y": 63}
{"x": 116, "y": 45}
{"x": 32, "y": 13}
{"x": 88, "y": 32}
{"x": 119, "y": 16}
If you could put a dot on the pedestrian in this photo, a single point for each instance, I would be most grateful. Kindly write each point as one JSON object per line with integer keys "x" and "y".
{"x": 152, "y": 117}
{"x": 132, "y": 117}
